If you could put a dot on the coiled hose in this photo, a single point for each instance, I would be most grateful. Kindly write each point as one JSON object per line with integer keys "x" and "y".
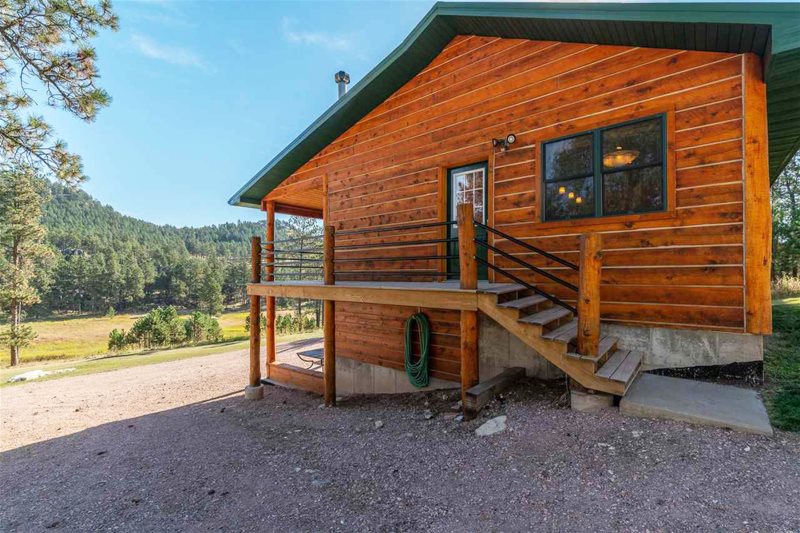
{"x": 418, "y": 371}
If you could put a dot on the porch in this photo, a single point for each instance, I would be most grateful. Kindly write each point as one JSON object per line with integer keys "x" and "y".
{"x": 563, "y": 330}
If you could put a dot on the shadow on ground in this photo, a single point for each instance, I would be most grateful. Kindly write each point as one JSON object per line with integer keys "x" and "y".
{"x": 286, "y": 464}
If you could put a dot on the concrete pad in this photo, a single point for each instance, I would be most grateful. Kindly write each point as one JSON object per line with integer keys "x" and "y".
{"x": 697, "y": 402}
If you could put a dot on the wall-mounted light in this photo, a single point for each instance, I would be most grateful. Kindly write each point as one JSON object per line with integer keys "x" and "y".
{"x": 505, "y": 143}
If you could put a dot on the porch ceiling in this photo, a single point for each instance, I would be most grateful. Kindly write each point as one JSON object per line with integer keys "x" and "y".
{"x": 771, "y": 30}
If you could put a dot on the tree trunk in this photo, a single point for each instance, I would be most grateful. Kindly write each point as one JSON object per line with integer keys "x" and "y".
{"x": 15, "y": 323}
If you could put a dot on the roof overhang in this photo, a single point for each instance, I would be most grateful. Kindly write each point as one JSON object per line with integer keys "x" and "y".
{"x": 771, "y": 30}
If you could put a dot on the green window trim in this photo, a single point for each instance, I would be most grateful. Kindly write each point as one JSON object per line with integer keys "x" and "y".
{"x": 598, "y": 172}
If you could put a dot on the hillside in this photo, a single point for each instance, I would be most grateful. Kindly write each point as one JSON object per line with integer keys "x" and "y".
{"x": 103, "y": 259}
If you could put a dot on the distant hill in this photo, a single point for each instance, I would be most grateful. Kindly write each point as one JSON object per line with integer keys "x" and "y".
{"x": 73, "y": 217}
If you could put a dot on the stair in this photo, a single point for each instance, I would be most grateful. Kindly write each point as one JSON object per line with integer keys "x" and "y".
{"x": 552, "y": 330}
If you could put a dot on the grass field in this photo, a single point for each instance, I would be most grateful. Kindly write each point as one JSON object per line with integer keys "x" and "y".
{"x": 117, "y": 362}
{"x": 75, "y": 338}
{"x": 782, "y": 365}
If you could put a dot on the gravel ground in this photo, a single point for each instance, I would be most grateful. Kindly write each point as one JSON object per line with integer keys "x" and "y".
{"x": 175, "y": 447}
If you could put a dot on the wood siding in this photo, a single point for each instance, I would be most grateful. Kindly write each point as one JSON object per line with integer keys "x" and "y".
{"x": 679, "y": 268}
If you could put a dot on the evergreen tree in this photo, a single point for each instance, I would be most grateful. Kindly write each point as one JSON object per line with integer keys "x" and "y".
{"x": 22, "y": 251}
{"x": 786, "y": 219}
{"x": 48, "y": 43}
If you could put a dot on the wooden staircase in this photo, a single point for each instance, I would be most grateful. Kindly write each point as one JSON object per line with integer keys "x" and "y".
{"x": 552, "y": 331}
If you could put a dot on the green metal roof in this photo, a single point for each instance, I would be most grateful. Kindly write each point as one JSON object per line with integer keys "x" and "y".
{"x": 771, "y": 30}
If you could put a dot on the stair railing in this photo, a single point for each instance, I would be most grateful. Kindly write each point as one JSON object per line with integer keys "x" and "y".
{"x": 587, "y": 306}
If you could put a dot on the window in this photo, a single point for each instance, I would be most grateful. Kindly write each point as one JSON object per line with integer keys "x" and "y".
{"x": 468, "y": 186}
{"x": 614, "y": 170}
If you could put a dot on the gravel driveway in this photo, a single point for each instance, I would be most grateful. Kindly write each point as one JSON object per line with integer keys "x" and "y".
{"x": 175, "y": 447}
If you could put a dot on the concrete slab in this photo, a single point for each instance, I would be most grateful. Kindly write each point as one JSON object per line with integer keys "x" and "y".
{"x": 697, "y": 402}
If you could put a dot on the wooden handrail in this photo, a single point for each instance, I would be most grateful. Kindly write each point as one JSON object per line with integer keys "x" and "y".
{"x": 468, "y": 267}
{"x": 255, "y": 312}
{"x": 591, "y": 264}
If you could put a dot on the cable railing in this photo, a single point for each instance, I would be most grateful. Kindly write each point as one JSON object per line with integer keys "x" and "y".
{"x": 370, "y": 262}
{"x": 294, "y": 259}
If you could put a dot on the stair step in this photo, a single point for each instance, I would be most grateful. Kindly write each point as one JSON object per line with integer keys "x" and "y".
{"x": 565, "y": 333}
{"x": 621, "y": 366}
{"x": 606, "y": 345}
{"x": 504, "y": 289}
{"x": 522, "y": 303}
{"x": 547, "y": 316}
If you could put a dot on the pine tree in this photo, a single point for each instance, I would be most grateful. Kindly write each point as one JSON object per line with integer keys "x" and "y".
{"x": 48, "y": 43}
{"x": 22, "y": 193}
{"x": 786, "y": 219}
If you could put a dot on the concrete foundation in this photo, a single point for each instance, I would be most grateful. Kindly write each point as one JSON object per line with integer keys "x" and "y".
{"x": 355, "y": 377}
{"x": 585, "y": 402}
{"x": 679, "y": 348}
{"x": 498, "y": 349}
{"x": 254, "y": 393}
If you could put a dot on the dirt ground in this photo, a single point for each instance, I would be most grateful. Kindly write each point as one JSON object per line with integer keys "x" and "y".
{"x": 175, "y": 447}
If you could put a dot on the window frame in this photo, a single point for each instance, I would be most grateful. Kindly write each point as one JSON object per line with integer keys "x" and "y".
{"x": 483, "y": 165}
{"x": 598, "y": 171}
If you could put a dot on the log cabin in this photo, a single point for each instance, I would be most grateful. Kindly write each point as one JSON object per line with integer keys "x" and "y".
{"x": 578, "y": 190}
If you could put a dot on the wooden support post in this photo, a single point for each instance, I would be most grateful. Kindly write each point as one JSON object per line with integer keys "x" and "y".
{"x": 329, "y": 314}
{"x": 591, "y": 263}
{"x": 468, "y": 267}
{"x": 269, "y": 273}
{"x": 469, "y": 355}
{"x": 255, "y": 311}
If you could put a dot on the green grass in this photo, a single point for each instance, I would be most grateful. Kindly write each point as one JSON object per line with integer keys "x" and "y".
{"x": 782, "y": 365}
{"x": 117, "y": 362}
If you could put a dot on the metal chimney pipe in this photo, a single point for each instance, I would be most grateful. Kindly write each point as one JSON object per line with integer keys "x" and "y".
{"x": 342, "y": 78}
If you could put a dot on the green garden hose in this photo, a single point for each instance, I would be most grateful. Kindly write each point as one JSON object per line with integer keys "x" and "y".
{"x": 418, "y": 371}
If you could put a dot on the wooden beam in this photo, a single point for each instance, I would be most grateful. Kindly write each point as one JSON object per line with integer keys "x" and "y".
{"x": 269, "y": 331}
{"x": 297, "y": 210}
{"x": 375, "y": 294}
{"x": 255, "y": 312}
{"x": 482, "y": 393}
{"x": 296, "y": 377}
{"x": 468, "y": 267}
{"x": 329, "y": 319}
{"x": 757, "y": 210}
{"x": 469, "y": 354}
{"x": 588, "y": 305}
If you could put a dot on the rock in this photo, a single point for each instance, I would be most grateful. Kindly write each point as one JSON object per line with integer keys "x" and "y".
{"x": 459, "y": 418}
{"x": 456, "y": 406}
{"x": 495, "y": 425}
{"x": 378, "y": 424}
{"x": 428, "y": 414}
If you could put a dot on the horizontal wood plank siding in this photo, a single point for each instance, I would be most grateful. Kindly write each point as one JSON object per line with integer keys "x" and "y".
{"x": 680, "y": 268}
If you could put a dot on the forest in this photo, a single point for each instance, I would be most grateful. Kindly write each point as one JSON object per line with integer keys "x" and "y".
{"x": 103, "y": 260}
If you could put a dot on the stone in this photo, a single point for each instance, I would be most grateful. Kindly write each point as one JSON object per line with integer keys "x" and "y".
{"x": 696, "y": 402}
{"x": 428, "y": 414}
{"x": 584, "y": 402}
{"x": 378, "y": 424}
{"x": 492, "y": 426}
{"x": 254, "y": 393}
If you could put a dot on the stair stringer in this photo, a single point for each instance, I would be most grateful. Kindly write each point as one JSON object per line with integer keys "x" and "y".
{"x": 553, "y": 351}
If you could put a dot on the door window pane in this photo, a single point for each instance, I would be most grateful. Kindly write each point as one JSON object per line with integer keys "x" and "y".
{"x": 468, "y": 188}
{"x": 568, "y": 158}
{"x": 633, "y": 191}
{"x": 569, "y": 199}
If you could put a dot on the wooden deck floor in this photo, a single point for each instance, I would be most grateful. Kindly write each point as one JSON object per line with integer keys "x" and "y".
{"x": 434, "y": 294}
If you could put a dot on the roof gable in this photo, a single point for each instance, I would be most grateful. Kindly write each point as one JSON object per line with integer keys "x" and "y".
{"x": 771, "y": 30}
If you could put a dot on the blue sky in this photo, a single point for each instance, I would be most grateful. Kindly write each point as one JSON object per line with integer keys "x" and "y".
{"x": 206, "y": 93}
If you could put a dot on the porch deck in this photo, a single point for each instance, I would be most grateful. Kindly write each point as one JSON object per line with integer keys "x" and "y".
{"x": 438, "y": 294}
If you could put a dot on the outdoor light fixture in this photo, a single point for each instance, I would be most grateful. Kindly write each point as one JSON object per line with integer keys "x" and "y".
{"x": 578, "y": 200}
{"x": 571, "y": 195}
{"x": 505, "y": 143}
{"x": 619, "y": 158}
{"x": 562, "y": 190}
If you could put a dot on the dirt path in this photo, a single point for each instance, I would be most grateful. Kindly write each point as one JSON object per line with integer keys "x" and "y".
{"x": 174, "y": 446}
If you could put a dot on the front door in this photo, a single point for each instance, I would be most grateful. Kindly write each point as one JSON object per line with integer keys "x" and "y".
{"x": 467, "y": 184}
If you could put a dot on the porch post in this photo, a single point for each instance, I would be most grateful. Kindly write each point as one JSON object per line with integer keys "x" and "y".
{"x": 255, "y": 390}
{"x": 591, "y": 264}
{"x": 329, "y": 324}
{"x": 269, "y": 274}
{"x": 468, "y": 272}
